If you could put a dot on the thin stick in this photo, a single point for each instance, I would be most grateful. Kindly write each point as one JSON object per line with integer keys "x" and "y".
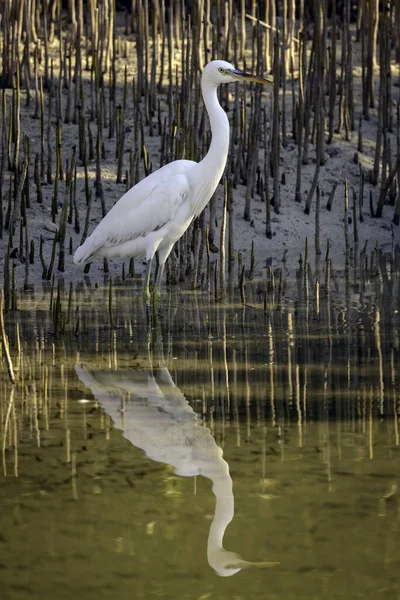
{"x": 10, "y": 405}
{"x": 5, "y": 341}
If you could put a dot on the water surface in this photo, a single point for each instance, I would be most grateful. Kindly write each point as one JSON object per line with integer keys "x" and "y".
{"x": 159, "y": 463}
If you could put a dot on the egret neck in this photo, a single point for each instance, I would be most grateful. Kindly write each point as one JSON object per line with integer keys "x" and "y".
{"x": 210, "y": 170}
{"x": 224, "y": 511}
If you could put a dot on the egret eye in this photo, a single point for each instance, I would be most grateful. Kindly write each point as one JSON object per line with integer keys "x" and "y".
{"x": 222, "y": 70}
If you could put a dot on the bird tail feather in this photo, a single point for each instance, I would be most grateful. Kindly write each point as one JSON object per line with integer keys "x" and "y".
{"x": 84, "y": 253}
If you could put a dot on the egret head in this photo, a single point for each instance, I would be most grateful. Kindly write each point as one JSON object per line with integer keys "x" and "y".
{"x": 226, "y": 563}
{"x": 220, "y": 71}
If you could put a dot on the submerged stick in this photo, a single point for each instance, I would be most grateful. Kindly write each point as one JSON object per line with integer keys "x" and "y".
{"x": 110, "y": 304}
{"x": 6, "y": 422}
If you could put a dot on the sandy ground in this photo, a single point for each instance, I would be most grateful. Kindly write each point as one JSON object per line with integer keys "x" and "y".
{"x": 290, "y": 228}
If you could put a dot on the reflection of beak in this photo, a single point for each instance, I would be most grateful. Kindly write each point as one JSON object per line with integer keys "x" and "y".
{"x": 245, "y": 564}
{"x": 248, "y": 77}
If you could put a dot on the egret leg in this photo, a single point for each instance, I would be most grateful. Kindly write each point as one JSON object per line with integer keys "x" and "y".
{"x": 157, "y": 286}
{"x": 162, "y": 257}
{"x": 146, "y": 286}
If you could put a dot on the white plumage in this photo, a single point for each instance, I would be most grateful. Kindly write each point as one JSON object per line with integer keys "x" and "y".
{"x": 157, "y": 418}
{"x": 143, "y": 218}
{"x": 156, "y": 212}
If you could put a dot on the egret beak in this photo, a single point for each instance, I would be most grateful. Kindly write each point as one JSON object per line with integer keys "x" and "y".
{"x": 245, "y": 564}
{"x": 248, "y": 77}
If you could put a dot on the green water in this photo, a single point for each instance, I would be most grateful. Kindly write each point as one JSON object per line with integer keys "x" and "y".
{"x": 114, "y": 485}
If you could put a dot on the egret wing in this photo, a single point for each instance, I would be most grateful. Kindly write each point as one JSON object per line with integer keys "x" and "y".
{"x": 145, "y": 208}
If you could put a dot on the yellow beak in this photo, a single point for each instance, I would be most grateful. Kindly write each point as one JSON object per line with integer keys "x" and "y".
{"x": 248, "y": 77}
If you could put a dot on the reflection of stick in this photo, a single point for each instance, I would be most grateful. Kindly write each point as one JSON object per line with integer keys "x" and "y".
{"x": 73, "y": 476}
{"x": 5, "y": 340}
{"x": 10, "y": 405}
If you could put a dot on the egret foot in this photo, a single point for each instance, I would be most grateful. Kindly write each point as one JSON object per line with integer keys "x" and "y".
{"x": 156, "y": 296}
{"x": 147, "y": 304}
{"x": 146, "y": 285}
{"x": 146, "y": 295}
{"x": 148, "y": 318}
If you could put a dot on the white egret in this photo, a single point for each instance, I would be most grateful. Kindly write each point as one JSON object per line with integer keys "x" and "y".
{"x": 157, "y": 418}
{"x": 156, "y": 212}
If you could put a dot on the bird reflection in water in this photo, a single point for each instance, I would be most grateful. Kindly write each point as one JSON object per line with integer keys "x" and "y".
{"x": 158, "y": 419}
